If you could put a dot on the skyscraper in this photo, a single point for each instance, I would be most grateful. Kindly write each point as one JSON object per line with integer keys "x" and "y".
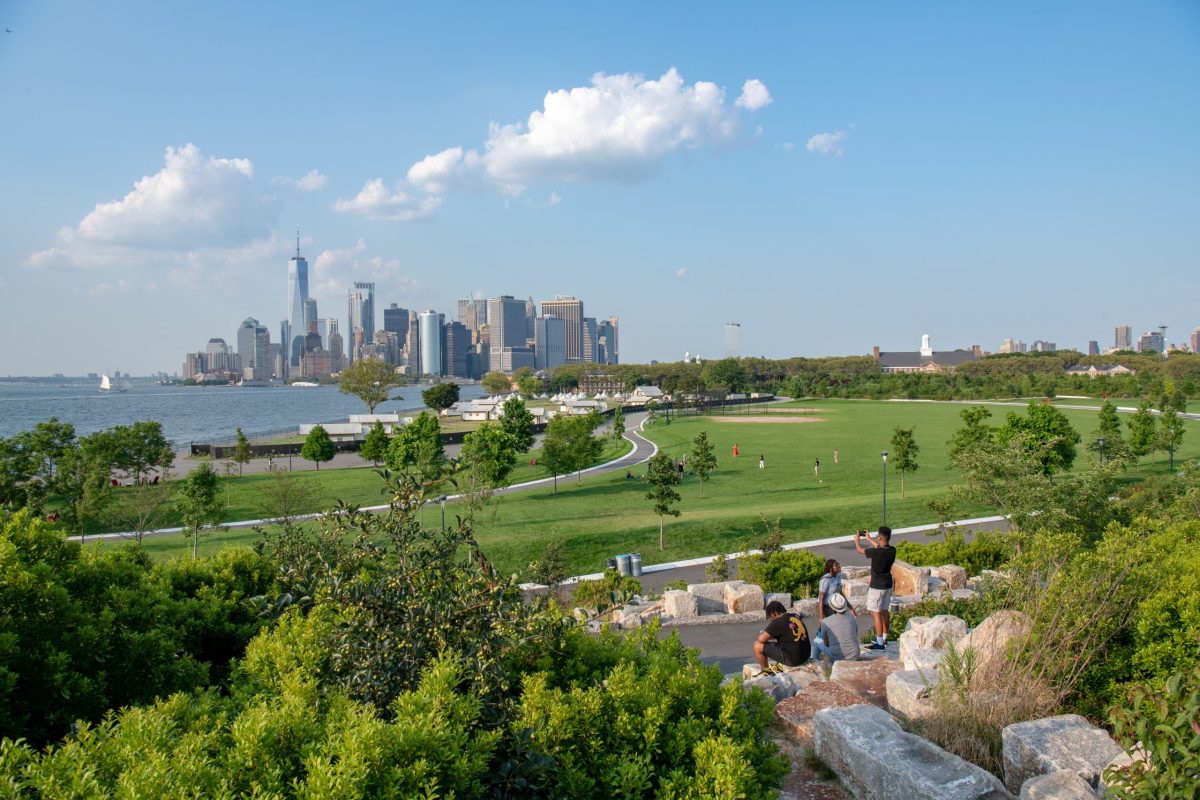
{"x": 254, "y": 349}
{"x": 368, "y": 311}
{"x": 733, "y": 340}
{"x": 530, "y": 316}
{"x": 549, "y": 342}
{"x": 295, "y": 329}
{"x": 1093, "y": 348}
{"x": 395, "y": 320}
{"x": 310, "y": 313}
{"x": 1124, "y": 338}
{"x": 337, "y": 347}
{"x": 570, "y": 311}
{"x": 609, "y": 343}
{"x": 356, "y": 313}
{"x": 589, "y": 350}
{"x": 456, "y": 340}
{"x": 1196, "y": 340}
{"x": 507, "y": 316}
{"x": 431, "y": 340}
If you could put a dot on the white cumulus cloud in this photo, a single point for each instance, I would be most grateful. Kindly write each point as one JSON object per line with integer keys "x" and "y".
{"x": 312, "y": 182}
{"x": 335, "y": 270}
{"x": 377, "y": 202}
{"x": 679, "y": 273}
{"x": 195, "y": 204}
{"x": 621, "y": 127}
{"x": 826, "y": 144}
{"x": 754, "y": 95}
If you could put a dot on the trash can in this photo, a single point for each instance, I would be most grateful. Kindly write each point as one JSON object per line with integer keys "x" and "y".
{"x": 635, "y": 564}
{"x": 610, "y": 563}
{"x": 623, "y": 565}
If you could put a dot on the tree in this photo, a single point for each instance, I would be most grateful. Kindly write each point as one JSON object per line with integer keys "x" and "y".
{"x": 703, "y": 460}
{"x": 83, "y": 482}
{"x": 285, "y": 496}
{"x": 143, "y": 508}
{"x": 418, "y": 446}
{"x": 727, "y": 372}
{"x": 1142, "y": 438}
{"x": 1045, "y": 432}
{"x": 241, "y": 450}
{"x": 904, "y": 453}
{"x": 46, "y": 444}
{"x": 1170, "y": 430}
{"x": 570, "y": 446}
{"x": 973, "y": 435}
{"x": 651, "y": 412}
{"x": 564, "y": 382}
{"x": 141, "y": 447}
{"x": 496, "y": 382}
{"x": 441, "y": 396}
{"x": 528, "y": 385}
{"x": 518, "y": 423}
{"x": 199, "y": 503}
{"x": 375, "y": 444}
{"x": 318, "y": 446}
{"x": 369, "y": 379}
{"x": 491, "y": 453}
{"x": 618, "y": 422}
{"x": 662, "y": 477}
{"x": 1108, "y": 431}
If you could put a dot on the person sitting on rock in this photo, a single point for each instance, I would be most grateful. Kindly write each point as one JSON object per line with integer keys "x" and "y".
{"x": 785, "y": 640}
{"x": 838, "y": 635}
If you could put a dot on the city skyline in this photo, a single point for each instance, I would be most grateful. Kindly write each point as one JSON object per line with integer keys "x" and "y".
{"x": 890, "y": 172}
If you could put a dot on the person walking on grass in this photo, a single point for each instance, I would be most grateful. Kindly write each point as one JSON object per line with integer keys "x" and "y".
{"x": 785, "y": 640}
{"x": 762, "y": 462}
{"x": 837, "y": 635}
{"x": 879, "y": 595}
{"x": 735, "y": 451}
{"x": 835, "y": 455}
{"x": 817, "y": 470}
{"x": 830, "y": 585}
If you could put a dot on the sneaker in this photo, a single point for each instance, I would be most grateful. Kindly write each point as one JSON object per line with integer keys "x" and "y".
{"x": 876, "y": 646}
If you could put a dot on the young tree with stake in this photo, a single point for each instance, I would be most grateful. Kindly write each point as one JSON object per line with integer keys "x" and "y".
{"x": 663, "y": 477}
{"x": 904, "y": 453}
{"x": 703, "y": 460}
{"x": 318, "y": 446}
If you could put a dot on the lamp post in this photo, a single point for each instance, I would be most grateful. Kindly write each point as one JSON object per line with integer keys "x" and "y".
{"x": 884, "y": 454}
{"x": 1100, "y": 441}
{"x": 442, "y": 500}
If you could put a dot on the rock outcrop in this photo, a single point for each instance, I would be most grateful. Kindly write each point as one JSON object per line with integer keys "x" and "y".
{"x": 954, "y": 576}
{"x": 877, "y": 760}
{"x": 907, "y": 579}
{"x": 992, "y": 639}
{"x": 796, "y": 713}
{"x": 1068, "y": 742}
{"x": 867, "y": 678}
{"x": 1060, "y": 785}
{"x": 908, "y": 693}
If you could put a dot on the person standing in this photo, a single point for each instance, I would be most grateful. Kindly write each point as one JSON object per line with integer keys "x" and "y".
{"x": 835, "y": 455}
{"x": 785, "y": 640}
{"x": 879, "y": 594}
{"x": 762, "y": 462}
{"x": 837, "y": 635}
{"x": 735, "y": 450}
{"x": 817, "y": 470}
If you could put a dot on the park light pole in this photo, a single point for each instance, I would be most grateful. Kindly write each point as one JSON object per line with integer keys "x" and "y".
{"x": 442, "y": 500}
{"x": 1100, "y": 441}
{"x": 884, "y": 454}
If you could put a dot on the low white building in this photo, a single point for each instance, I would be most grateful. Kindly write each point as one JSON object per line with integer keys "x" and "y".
{"x": 643, "y": 394}
{"x": 338, "y": 431}
{"x": 577, "y": 408}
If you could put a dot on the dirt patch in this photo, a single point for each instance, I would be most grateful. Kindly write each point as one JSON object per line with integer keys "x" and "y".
{"x": 771, "y": 420}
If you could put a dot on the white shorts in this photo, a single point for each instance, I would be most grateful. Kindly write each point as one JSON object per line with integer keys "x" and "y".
{"x": 879, "y": 599}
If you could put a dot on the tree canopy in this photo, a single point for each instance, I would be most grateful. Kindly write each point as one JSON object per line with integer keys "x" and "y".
{"x": 663, "y": 476}
{"x": 441, "y": 396}
{"x": 369, "y": 379}
{"x": 518, "y": 424}
{"x": 496, "y": 382}
{"x": 375, "y": 443}
{"x": 703, "y": 459}
{"x": 1046, "y": 433}
{"x": 904, "y": 453}
{"x": 318, "y": 446}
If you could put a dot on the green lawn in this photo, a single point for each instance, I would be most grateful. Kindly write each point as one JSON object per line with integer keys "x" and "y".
{"x": 609, "y": 514}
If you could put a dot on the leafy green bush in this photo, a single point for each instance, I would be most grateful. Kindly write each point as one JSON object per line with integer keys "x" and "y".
{"x": 1159, "y": 722}
{"x": 988, "y": 550}
{"x": 795, "y": 571}
{"x": 85, "y": 631}
{"x": 611, "y": 590}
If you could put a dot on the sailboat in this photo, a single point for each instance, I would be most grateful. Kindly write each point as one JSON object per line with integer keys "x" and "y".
{"x": 106, "y": 385}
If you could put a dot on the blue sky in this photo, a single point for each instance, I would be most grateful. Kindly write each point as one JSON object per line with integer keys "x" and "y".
{"x": 969, "y": 171}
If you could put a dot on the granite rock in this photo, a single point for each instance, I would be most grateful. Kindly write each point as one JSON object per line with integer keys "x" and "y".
{"x": 1067, "y": 742}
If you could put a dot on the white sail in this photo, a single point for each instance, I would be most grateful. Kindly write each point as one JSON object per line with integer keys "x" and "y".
{"x": 105, "y": 385}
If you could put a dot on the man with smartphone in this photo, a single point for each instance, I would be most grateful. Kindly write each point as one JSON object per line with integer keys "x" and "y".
{"x": 879, "y": 592}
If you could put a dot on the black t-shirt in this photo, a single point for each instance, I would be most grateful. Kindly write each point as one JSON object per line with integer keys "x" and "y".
{"x": 788, "y": 630}
{"x": 882, "y": 559}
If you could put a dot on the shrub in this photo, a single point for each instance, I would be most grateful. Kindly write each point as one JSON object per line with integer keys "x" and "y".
{"x": 988, "y": 550}
{"x": 795, "y": 571}
{"x": 611, "y": 590}
{"x": 1159, "y": 723}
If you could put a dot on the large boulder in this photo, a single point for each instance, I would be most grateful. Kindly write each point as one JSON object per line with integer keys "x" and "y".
{"x": 856, "y": 588}
{"x": 796, "y": 713}
{"x": 877, "y": 760}
{"x": 954, "y": 576}
{"x": 782, "y": 685}
{"x": 854, "y": 573}
{"x": 806, "y": 607}
{"x": 867, "y": 678}
{"x": 908, "y": 693}
{"x": 936, "y": 585}
{"x": 926, "y": 660}
{"x": 936, "y": 633}
{"x": 710, "y": 597}
{"x": 783, "y": 598}
{"x": 993, "y": 638}
{"x": 1068, "y": 742}
{"x": 742, "y": 598}
{"x": 680, "y": 605}
{"x": 1060, "y": 785}
{"x": 907, "y": 579}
